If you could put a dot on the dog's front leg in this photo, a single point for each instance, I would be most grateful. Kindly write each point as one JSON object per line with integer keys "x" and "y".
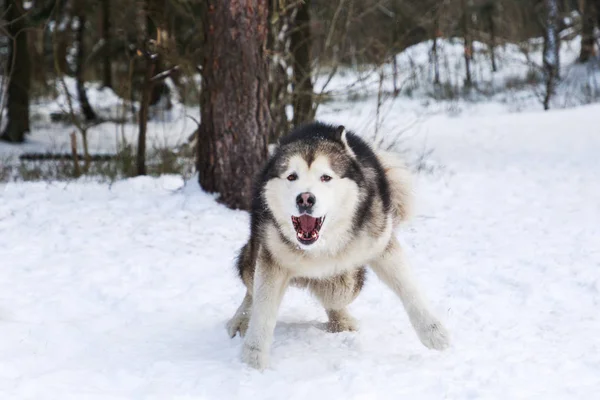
{"x": 391, "y": 268}
{"x": 270, "y": 282}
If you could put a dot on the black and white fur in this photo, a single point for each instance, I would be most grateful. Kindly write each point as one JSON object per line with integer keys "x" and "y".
{"x": 361, "y": 196}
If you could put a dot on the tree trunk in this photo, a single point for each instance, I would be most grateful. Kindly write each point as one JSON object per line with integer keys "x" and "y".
{"x": 279, "y": 51}
{"x": 434, "y": 50}
{"x": 468, "y": 45}
{"x": 155, "y": 30}
{"x": 492, "y": 37}
{"x": 143, "y": 118}
{"x": 395, "y": 46}
{"x": 301, "y": 42}
{"x": 588, "y": 16}
{"x": 19, "y": 73}
{"x": 551, "y": 50}
{"x": 86, "y": 108}
{"x": 234, "y": 104}
{"x": 106, "y": 36}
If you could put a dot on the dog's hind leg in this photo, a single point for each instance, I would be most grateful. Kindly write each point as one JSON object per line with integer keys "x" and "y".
{"x": 336, "y": 294}
{"x": 246, "y": 262}
{"x": 391, "y": 268}
{"x": 340, "y": 321}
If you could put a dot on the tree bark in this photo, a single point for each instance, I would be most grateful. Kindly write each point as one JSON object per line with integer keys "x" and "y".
{"x": 86, "y": 108}
{"x": 588, "y": 16}
{"x": 301, "y": 41}
{"x": 551, "y": 50}
{"x": 19, "y": 73}
{"x": 106, "y": 36}
{"x": 232, "y": 143}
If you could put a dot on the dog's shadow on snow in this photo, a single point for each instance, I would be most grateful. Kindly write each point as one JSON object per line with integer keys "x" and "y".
{"x": 301, "y": 325}
{"x": 314, "y": 332}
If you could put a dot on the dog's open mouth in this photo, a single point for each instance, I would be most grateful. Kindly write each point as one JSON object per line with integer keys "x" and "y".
{"x": 307, "y": 228}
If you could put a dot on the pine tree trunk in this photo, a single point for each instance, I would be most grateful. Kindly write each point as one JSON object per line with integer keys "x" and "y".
{"x": 106, "y": 36}
{"x": 234, "y": 104}
{"x": 86, "y": 108}
{"x": 587, "y": 31}
{"x": 551, "y": 50}
{"x": 19, "y": 73}
{"x": 301, "y": 42}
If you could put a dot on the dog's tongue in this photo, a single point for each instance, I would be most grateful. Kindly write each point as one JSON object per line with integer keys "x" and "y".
{"x": 307, "y": 223}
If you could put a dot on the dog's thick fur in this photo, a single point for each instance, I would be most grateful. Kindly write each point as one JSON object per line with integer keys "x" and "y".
{"x": 365, "y": 199}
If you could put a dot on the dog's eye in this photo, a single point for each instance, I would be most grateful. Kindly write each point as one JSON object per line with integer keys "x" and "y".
{"x": 325, "y": 178}
{"x": 292, "y": 177}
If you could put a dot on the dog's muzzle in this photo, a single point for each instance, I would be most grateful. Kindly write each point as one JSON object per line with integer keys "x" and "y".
{"x": 307, "y": 228}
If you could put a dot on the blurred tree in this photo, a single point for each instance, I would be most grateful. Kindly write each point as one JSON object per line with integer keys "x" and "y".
{"x": 301, "y": 42}
{"x": 278, "y": 47}
{"x": 589, "y": 19}
{"x": 86, "y": 108}
{"x": 468, "y": 41}
{"x": 107, "y": 44}
{"x": 551, "y": 49}
{"x": 488, "y": 12}
{"x": 19, "y": 73}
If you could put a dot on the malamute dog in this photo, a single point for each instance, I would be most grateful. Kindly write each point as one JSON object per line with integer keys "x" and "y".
{"x": 325, "y": 206}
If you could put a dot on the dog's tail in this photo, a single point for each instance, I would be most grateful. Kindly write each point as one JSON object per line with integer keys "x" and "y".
{"x": 399, "y": 178}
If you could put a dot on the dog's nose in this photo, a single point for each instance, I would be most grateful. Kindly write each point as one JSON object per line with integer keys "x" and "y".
{"x": 305, "y": 201}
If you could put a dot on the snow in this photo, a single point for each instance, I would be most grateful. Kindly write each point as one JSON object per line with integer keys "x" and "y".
{"x": 167, "y": 128}
{"x": 122, "y": 291}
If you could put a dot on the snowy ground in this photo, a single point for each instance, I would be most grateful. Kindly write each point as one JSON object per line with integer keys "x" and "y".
{"x": 123, "y": 291}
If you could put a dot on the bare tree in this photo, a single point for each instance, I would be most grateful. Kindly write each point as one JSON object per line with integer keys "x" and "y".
{"x": 488, "y": 10}
{"x": 468, "y": 41}
{"x": 107, "y": 39}
{"x": 86, "y": 108}
{"x": 434, "y": 49}
{"x": 551, "y": 50}
{"x": 232, "y": 140}
{"x": 301, "y": 42}
{"x": 278, "y": 46}
{"x": 19, "y": 73}
{"x": 149, "y": 59}
{"x": 588, "y": 16}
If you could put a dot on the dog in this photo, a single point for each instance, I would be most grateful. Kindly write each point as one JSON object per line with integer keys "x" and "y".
{"x": 324, "y": 207}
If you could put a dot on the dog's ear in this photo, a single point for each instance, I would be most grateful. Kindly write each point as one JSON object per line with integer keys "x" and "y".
{"x": 340, "y": 133}
{"x": 272, "y": 148}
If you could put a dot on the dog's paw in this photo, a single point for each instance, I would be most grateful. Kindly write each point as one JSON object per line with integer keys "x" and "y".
{"x": 346, "y": 324}
{"x": 237, "y": 324}
{"x": 255, "y": 357}
{"x": 434, "y": 335}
